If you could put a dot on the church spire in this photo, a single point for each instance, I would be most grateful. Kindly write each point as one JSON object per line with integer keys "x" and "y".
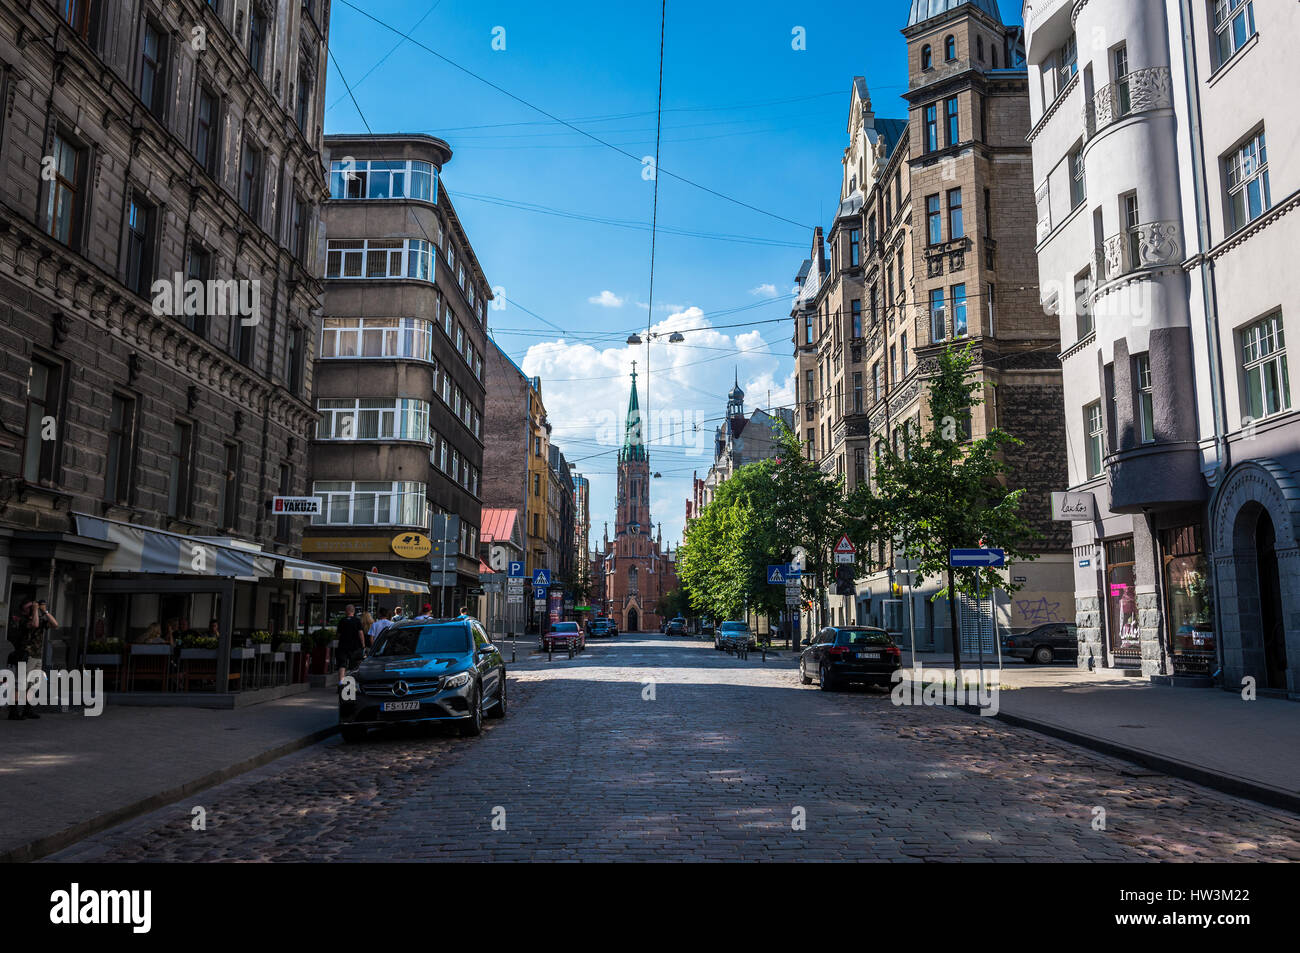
{"x": 633, "y": 437}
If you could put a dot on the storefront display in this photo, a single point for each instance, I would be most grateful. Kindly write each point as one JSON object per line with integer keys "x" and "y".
{"x": 1189, "y": 607}
{"x": 1121, "y": 599}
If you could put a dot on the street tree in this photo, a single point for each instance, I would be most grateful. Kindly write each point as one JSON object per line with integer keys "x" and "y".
{"x": 947, "y": 491}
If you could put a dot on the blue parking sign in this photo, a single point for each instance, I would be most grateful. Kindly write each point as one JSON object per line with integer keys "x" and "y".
{"x": 516, "y": 570}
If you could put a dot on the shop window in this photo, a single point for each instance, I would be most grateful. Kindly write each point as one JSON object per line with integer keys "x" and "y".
{"x": 1188, "y": 598}
{"x": 1121, "y": 599}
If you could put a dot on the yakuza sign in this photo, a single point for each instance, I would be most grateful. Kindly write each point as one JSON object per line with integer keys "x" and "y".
{"x": 296, "y": 506}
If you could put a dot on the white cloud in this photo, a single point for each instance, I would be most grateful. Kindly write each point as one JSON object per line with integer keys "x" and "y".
{"x": 585, "y": 390}
{"x": 606, "y": 299}
{"x": 766, "y": 290}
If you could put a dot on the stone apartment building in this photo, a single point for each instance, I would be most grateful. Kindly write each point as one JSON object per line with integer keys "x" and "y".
{"x": 933, "y": 246}
{"x": 582, "y": 533}
{"x": 400, "y": 379}
{"x": 1163, "y": 242}
{"x": 161, "y": 176}
{"x": 516, "y": 452}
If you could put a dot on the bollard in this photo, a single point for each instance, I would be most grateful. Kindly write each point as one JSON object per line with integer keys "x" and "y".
{"x": 550, "y": 650}
{"x": 764, "y": 651}
{"x": 572, "y": 645}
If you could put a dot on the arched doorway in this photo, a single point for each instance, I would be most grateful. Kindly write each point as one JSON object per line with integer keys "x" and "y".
{"x": 1272, "y": 630}
{"x": 633, "y": 621}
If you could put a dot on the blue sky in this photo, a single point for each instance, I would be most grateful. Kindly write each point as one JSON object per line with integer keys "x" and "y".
{"x": 745, "y": 114}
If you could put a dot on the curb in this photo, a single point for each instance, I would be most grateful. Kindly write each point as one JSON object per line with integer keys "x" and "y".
{"x": 51, "y": 843}
{"x": 1227, "y": 784}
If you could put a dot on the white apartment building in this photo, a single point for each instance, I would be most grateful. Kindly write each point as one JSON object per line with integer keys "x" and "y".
{"x": 1163, "y": 244}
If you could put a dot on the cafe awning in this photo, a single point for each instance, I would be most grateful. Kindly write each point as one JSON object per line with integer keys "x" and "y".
{"x": 309, "y": 571}
{"x": 142, "y": 549}
{"x": 377, "y": 582}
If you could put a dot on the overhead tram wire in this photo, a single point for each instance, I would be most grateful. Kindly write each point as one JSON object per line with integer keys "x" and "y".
{"x": 383, "y": 59}
{"x": 570, "y": 125}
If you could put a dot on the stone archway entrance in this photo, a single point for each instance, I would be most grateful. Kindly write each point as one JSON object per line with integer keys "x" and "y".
{"x": 1257, "y": 560}
{"x": 633, "y": 621}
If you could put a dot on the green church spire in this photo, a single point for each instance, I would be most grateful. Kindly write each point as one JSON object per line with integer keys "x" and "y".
{"x": 633, "y": 437}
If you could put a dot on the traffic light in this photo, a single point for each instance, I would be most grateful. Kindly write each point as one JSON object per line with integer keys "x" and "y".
{"x": 844, "y": 579}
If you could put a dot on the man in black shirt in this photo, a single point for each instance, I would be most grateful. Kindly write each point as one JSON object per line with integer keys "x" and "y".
{"x": 352, "y": 641}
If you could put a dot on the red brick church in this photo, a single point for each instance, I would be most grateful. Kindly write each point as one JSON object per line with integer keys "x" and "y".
{"x": 637, "y": 570}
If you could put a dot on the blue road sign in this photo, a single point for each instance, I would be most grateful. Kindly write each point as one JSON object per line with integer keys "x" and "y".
{"x": 516, "y": 570}
{"x": 776, "y": 575}
{"x": 539, "y": 592}
{"x": 541, "y": 577}
{"x": 977, "y": 557}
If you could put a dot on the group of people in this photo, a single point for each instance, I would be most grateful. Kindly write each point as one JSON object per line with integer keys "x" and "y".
{"x": 358, "y": 633}
{"x": 166, "y": 633}
{"x": 27, "y": 630}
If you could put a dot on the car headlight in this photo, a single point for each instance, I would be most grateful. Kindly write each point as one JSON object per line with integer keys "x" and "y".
{"x": 457, "y": 680}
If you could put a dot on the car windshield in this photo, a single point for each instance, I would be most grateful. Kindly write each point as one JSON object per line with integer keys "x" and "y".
{"x": 735, "y": 627}
{"x": 854, "y": 637}
{"x": 441, "y": 639}
{"x": 566, "y": 627}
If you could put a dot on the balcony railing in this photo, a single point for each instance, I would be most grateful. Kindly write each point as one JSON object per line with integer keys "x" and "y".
{"x": 1140, "y": 91}
{"x": 1152, "y": 245}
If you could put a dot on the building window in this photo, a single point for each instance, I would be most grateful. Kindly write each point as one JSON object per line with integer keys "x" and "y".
{"x": 933, "y": 220}
{"x": 1248, "y": 192}
{"x": 302, "y": 107}
{"x": 959, "y": 311}
{"x": 380, "y": 258}
{"x": 1083, "y": 302}
{"x": 228, "y": 492}
{"x": 875, "y": 382}
{"x": 927, "y": 57}
{"x": 180, "y": 470}
{"x": 410, "y": 338}
{"x": 808, "y": 329}
{"x": 384, "y": 179}
{"x": 293, "y": 359}
{"x": 1191, "y": 610}
{"x": 43, "y": 439}
{"x": 857, "y": 392}
{"x": 875, "y": 305}
{"x": 902, "y": 349}
{"x": 1133, "y": 234}
{"x": 1234, "y": 24}
{"x": 140, "y": 245}
{"x": 372, "y": 418}
{"x": 979, "y": 49}
{"x": 859, "y": 466}
{"x": 198, "y": 267}
{"x": 893, "y": 363}
{"x": 76, "y": 14}
{"x": 954, "y": 124}
{"x": 931, "y": 128}
{"x": 950, "y": 49}
{"x": 399, "y": 503}
{"x": 250, "y": 179}
{"x": 298, "y": 228}
{"x": 63, "y": 208}
{"x": 938, "y": 319}
{"x": 956, "y": 229}
{"x": 855, "y": 250}
{"x": 256, "y": 38}
{"x": 1145, "y": 405}
{"x": 1093, "y": 430}
{"x": 1078, "y": 184}
{"x": 1119, "y": 62}
{"x": 1067, "y": 58}
{"x": 242, "y": 338}
{"x": 206, "y": 129}
{"x": 855, "y": 312}
{"x": 153, "y": 70}
{"x": 1263, "y": 367}
{"x": 120, "y": 461}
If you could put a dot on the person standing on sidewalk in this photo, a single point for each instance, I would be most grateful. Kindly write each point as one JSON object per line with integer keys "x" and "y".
{"x": 379, "y": 624}
{"x": 27, "y": 633}
{"x": 352, "y": 641}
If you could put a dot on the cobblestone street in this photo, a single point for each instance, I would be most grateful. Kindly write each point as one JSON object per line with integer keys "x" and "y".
{"x": 715, "y": 766}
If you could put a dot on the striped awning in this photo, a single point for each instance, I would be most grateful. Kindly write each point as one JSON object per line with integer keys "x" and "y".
{"x": 309, "y": 571}
{"x": 377, "y": 582}
{"x": 142, "y": 549}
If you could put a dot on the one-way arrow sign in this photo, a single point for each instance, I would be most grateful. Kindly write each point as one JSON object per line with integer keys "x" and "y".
{"x": 977, "y": 557}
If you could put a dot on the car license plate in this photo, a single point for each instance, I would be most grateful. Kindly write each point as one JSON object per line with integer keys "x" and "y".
{"x": 868, "y": 655}
{"x": 401, "y": 706}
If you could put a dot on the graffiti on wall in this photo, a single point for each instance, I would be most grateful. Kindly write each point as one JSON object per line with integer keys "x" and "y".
{"x": 1030, "y": 609}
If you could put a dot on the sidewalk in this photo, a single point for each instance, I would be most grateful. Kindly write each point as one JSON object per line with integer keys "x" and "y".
{"x": 1207, "y": 735}
{"x": 67, "y": 775}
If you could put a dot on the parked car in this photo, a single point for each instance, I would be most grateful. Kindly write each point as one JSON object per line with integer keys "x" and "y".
{"x": 706, "y": 627}
{"x": 843, "y": 654}
{"x": 734, "y": 633}
{"x": 432, "y": 670}
{"x": 675, "y": 627}
{"x": 1044, "y": 643}
{"x": 601, "y": 628}
{"x": 560, "y": 634}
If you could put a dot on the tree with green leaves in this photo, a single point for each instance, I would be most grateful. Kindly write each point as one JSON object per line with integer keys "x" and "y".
{"x": 946, "y": 491}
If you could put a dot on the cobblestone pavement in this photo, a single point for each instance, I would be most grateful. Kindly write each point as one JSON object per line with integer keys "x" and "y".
{"x": 650, "y": 748}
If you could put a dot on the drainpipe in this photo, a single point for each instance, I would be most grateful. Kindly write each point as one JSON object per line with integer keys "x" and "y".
{"x": 1209, "y": 293}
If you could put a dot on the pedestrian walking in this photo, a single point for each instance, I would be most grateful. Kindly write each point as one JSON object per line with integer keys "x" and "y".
{"x": 379, "y": 625}
{"x": 352, "y": 641}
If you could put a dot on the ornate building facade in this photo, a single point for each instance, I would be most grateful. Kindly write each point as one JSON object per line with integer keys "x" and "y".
{"x": 637, "y": 571}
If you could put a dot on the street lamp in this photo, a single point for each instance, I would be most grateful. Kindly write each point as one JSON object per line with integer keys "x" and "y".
{"x": 634, "y": 338}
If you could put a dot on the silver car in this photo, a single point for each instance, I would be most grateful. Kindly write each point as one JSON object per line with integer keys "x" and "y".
{"x": 423, "y": 671}
{"x": 735, "y": 633}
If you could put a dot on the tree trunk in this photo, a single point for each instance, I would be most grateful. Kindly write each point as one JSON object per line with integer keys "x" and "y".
{"x": 952, "y": 616}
